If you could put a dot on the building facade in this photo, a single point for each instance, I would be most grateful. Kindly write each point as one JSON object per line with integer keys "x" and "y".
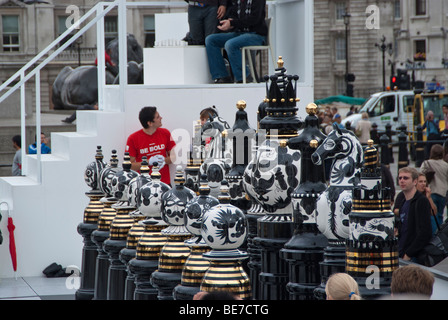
{"x": 414, "y": 34}
{"x": 27, "y": 28}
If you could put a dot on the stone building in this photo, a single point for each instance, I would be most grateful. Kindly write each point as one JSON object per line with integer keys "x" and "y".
{"x": 27, "y": 28}
{"x": 409, "y": 27}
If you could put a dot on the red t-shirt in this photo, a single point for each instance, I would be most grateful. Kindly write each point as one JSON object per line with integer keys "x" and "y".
{"x": 140, "y": 144}
{"x": 107, "y": 58}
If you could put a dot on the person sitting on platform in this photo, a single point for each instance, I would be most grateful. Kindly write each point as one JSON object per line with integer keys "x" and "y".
{"x": 245, "y": 26}
{"x": 151, "y": 141}
{"x": 203, "y": 18}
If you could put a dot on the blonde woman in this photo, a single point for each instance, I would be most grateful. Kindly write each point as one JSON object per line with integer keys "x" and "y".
{"x": 341, "y": 286}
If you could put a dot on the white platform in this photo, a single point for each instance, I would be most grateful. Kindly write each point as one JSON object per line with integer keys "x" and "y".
{"x": 176, "y": 66}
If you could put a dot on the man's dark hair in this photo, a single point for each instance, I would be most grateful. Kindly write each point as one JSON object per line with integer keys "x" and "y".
{"x": 147, "y": 114}
{"x": 17, "y": 140}
{"x": 206, "y": 113}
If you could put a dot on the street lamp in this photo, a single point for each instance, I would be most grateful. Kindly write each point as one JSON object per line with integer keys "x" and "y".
{"x": 383, "y": 47}
{"x": 346, "y": 17}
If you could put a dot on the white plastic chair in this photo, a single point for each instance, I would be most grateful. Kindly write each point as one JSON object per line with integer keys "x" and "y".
{"x": 248, "y": 49}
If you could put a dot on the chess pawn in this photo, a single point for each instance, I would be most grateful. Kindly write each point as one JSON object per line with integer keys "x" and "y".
{"x": 195, "y": 266}
{"x": 174, "y": 254}
{"x": 102, "y": 232}
{"x": 224, "y": 229}
{"x": 88, "y": 225}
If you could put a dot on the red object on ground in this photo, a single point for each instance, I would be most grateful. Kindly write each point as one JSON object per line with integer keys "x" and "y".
{"x": 12, "y": 243}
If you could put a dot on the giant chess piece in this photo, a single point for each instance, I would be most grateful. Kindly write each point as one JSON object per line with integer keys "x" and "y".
{"x": 195, "y": 266}
{"x": 119, "y": 230}
{"x": 372, "y": 248}
{"x": 255, "y": 212}
{"x": 241, "y": 135}
{"x": 149, "y": 203}
{"x": 88, "y": 225}
{"x": 137, "y": 229}
{"x": 304, "y": 251}
{"x": 216, "y": 164}
{"x": 335, "y": 203}
{"x": 275, "y": 175}
{"x": 224, "y": 229}
{"x": 175, "y": 252}
{"x": 194, "y": 160}
{"x": 102, "y": 233}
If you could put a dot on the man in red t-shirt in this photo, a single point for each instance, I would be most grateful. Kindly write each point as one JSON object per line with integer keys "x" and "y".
{"x": 152, "y": 141}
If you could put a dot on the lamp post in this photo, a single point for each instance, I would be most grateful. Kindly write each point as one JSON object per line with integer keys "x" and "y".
{"x": 383, "y": 47}
{"x": 346, "y": 17}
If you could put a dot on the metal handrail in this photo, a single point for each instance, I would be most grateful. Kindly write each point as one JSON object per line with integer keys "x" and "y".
{"x": 56, "y": 42}
{"x": 24, "y": 77}
{"x": 101, "y": 9}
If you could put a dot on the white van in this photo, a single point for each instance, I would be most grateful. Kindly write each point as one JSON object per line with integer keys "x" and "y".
{"x": 394, "y": 107}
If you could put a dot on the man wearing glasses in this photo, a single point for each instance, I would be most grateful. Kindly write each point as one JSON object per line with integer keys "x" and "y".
{"x": 415, "y": 229}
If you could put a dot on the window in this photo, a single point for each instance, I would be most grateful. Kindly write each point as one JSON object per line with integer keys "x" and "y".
{"x": 340, "y": 49}
{"x": 10, "y": 33}
{"x": 408, "y": 103}
{"x": 384, "y": 105}
{"x": 420, "y": 50}
{"x": 62, "y": 28}
{"x": 420, "y": 7}
{"x": 397, "y": 9}
{"x": 340, "y": 10}
{"x": 149, "y": 31}
{"x": 110, "y": 28}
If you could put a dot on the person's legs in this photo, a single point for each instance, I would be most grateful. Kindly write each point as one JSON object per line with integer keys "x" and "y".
{"x": 233, "y": 48}
{"x": 210, "y": 20}
{"x": 213, "y": 45}
{"x": 196, "y": 24}
{"x": 439, "y": 201}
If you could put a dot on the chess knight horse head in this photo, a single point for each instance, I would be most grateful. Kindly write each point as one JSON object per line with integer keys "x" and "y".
{"x": 334, "y": 204}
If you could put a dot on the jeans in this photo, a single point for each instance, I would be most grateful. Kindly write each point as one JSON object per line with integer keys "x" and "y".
{"x": 202, "y": 22}
{"x": 232, "y": 42}
{"x": 439, "y": 201}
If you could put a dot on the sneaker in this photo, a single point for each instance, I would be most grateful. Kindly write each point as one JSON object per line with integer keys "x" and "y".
{"x": 224, "y": 80}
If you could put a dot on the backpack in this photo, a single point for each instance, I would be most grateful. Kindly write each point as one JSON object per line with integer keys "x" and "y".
{"x": 437, "y": 249}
